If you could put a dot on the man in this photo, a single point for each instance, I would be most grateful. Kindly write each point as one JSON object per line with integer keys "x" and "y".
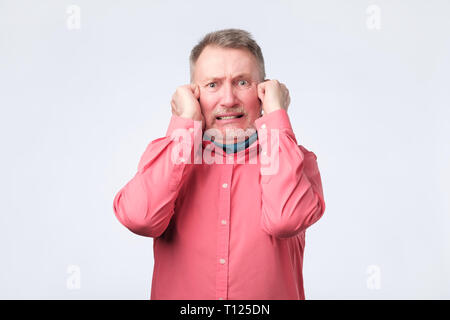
{"x": 229, "y": 216}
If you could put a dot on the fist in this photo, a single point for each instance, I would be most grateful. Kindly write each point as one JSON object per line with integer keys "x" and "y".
{"x": 274, "y": 95}
{"x": 185, "y": 102}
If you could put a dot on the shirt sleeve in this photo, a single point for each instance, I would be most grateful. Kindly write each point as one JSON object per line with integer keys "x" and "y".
{"x": 146, "y": 203}
{"x": 291, "y": 186}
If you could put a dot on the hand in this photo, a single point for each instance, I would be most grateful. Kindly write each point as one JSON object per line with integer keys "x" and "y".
{"x": 185, "y": 103}
{"x": 274, "y": 95}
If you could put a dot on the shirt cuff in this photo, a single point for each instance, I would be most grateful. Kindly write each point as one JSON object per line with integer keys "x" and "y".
{"x": 177, "y": 122}
{"x": 277, "y": 119}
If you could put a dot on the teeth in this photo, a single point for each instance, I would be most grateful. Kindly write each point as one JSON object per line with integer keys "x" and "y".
{"x": 230, "y": 117}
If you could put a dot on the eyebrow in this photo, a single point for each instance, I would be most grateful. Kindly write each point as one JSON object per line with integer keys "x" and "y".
{"x": 240, "y": 75}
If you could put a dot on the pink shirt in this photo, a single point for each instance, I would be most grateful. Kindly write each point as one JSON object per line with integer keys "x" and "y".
{"x": 225, "y": 231}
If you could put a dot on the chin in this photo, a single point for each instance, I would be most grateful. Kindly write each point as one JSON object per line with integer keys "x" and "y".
{"x": 231, "y": 134}
{"x": 234, "y": 135}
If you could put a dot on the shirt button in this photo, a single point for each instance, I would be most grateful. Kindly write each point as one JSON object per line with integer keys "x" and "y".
{"x": 191, "y": 129}
{"x": 224, "y": 185}
{"x": 222, "y": 261}
{"x": 224, "y": 222}
{"x": 182, "y": 160}
{"x": 263, "y": 126}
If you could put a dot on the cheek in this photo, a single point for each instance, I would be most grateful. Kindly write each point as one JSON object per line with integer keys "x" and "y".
{"x": 252, "y": 103}
{"x": 207, "y": 105}
{"x": 250, "y": 96}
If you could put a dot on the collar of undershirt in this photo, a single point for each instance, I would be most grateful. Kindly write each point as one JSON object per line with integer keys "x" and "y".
{"x": 235, "y": 147}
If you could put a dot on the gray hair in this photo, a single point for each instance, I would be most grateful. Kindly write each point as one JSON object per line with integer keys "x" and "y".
{"x": 229, "y": 38}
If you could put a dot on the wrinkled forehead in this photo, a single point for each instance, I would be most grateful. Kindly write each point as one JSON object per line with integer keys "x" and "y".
{"x": 219, "y": 63}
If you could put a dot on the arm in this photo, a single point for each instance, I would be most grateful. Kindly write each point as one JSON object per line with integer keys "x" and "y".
{"x": 146, "y": 203}
{"x": 292, "y": 195}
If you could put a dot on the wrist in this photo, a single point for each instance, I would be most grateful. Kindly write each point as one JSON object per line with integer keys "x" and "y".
{"x": 188, "y": 116}
{"x": 271, "y": 109}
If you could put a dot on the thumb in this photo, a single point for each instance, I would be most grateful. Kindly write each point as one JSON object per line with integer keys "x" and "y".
{"x": 197, "y": 92}
{"x": 261, "y": 91}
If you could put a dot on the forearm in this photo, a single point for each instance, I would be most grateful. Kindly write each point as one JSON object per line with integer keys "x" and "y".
{"x": 292, "y": 197}
{"x": 146, "y": 203}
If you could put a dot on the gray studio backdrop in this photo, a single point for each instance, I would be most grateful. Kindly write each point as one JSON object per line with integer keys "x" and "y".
{"x": 86, "y": 85}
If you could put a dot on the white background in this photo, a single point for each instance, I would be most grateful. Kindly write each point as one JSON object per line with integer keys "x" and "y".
{"x": 79, "y": 107}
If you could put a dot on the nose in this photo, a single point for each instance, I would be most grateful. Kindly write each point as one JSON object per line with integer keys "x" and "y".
{"x": 229, "y": 98}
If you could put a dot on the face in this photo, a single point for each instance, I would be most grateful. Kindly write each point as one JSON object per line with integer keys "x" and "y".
{"x": 228, "y": 80}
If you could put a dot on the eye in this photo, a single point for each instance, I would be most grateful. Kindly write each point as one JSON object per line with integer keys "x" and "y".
{"x": 240, "y": 81}
{"x": 210, "y": 84}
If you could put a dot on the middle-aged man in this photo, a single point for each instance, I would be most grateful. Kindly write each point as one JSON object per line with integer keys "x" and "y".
{"x": 228, "y": 193}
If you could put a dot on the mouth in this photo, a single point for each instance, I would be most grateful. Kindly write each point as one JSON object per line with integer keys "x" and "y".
{"x": 229, "y": 116}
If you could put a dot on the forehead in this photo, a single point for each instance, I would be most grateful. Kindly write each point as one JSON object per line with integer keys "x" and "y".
{"x": 215, "y": 62}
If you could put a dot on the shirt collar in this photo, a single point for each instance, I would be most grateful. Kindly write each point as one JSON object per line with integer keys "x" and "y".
{"x": 235, "y": 147}
{"x": 251, "y": 148}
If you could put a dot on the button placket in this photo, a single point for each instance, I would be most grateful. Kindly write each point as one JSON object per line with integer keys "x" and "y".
{"x": 223, "y": 233}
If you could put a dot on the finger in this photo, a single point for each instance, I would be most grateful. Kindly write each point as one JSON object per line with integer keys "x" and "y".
{"x": 197, "y": 92}
{"x": 173, "y": 106}
{"x": 261, "y": 86}
{"x": 261, "y": 90}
